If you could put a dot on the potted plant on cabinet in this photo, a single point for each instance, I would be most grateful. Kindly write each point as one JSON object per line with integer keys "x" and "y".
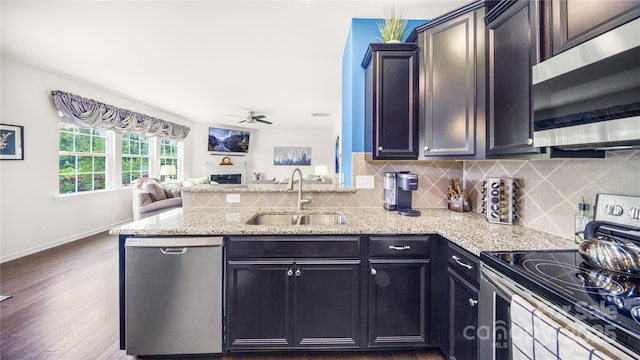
{"x": 392, "y": 27}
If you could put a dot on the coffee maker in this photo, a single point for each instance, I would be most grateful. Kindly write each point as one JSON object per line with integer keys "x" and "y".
{"x": 397, "y": 192}
{"x": 406, "y": 183}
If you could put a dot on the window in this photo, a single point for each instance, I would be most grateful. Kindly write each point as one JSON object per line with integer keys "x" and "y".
{"x": 135, "y": 158}
{"x": 169, "y": 155}
{"x": 82, "y": 159}
{"x": 95, "y": 159}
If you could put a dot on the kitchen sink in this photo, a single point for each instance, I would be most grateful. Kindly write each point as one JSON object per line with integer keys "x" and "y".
{"x": 329, "y": 218}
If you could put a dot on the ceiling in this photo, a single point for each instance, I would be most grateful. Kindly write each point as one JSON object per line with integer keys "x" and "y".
{"x": 202, "y": 60}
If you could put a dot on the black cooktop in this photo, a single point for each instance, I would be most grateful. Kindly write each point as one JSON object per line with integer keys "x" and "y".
{"x": 608, "y": 301}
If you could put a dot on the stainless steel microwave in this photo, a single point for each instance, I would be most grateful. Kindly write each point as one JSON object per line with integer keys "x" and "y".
{"x": 588, "y": 97}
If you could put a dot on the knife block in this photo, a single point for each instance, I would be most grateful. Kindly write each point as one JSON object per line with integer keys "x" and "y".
{"x": 499, "y": 200}
{"x": 459, "y": 205}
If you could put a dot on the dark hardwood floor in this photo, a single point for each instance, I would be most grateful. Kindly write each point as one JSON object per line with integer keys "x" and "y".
{"x": 65, "y": 306}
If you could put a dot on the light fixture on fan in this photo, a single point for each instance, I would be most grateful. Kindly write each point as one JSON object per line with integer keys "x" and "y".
{"x": 252, "y": 118}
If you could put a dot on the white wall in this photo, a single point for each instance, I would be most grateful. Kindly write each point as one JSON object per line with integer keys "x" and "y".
{"x": 261, "y": 144}
{"x": 28, "y": 188}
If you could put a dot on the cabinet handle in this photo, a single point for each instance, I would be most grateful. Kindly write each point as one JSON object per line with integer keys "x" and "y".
{"x": 380, "y": 148}
{"x": 373, "y": 271}
{"x": 290, "y": 272}
{"x": 529, "y": 141}
{"x": 459, "y": 262}
{"x": 426, "y": 148}
{"x": 404, "y": 247}
{"x": 473, "y": 302}
{"x": 298, "y": 272}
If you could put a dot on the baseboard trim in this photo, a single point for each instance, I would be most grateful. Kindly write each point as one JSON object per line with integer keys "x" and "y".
{"x": 55, "y": 243}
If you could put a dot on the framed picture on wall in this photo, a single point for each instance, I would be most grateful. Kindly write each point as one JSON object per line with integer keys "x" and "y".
{"x": 11, "y": 142}
{"x": 291, "y": 155}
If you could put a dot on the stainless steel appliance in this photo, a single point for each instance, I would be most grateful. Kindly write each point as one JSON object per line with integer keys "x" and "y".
{"x": 588, "y": 96}
{"x": 390, "y": 199}
{"x": 596, "y": 309}
{"x": 173, "y": 295}
{"x": 406, "y": 184}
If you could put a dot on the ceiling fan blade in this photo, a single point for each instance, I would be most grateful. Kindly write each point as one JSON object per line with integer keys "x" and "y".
{"x": 242, "y": 121}
{"x": 244, "y": 117}
{"x": 264, "y": 121}
{"x": 260, "y": 116}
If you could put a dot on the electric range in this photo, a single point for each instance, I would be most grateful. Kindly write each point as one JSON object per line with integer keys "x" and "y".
{"x": 608, "y": 302}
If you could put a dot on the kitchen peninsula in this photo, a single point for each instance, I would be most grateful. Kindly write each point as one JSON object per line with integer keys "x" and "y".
{"x": 264, "y": 188}
{"x": 468, "y": 230}
{"x": 352, "y": 258}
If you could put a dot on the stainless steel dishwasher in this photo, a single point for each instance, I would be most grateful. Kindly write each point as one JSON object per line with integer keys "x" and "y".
{"x": 173, "y": 295}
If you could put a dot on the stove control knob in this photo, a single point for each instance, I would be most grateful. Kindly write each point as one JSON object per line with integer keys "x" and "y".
{"x": 634, "y": 213}
{"x": 613, "y": 209}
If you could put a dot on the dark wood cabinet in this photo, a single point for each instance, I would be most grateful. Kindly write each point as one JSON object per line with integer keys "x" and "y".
{"x": 310, "y": 301}
{"x": 567, "y": 23}
{"x": 391, "y": 106}
{"x": 463, "y": 319}
{"x": 398, "y": 303}
{"x": 452, "y": 85}
{"x": 260, "y": 305}
{"x": 463, "y": 284}
{"x": 399, "y": 285}
{"x": 511, "y": 50}
{"x": 327, "y": 303}
{"x": 293, "y": 304}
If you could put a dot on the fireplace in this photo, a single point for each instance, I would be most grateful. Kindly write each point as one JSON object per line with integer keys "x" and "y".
{"x": 226, "y": 174}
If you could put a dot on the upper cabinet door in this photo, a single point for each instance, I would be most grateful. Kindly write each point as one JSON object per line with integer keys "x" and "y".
{"x": 452, "y": 88}
{"x": 568, "y": 23}
{"x": 391, "y": 111}
{"x": 512, "y": 49}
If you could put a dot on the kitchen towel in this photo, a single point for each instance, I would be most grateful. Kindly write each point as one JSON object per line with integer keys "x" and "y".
{"x": 536, "y": 335}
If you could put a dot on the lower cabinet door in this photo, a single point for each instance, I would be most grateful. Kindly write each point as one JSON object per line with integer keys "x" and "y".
{"x": 398, "y": 302}
{"x": 260, "y": 305}
{"x": 463, "y": 319}
{"x": 327, "y": 304}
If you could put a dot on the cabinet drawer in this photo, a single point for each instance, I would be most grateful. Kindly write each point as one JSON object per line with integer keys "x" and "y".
{"x": 463, "y": 263}
{"x": 243, "y": 247}
{"x": 399, "y": 246}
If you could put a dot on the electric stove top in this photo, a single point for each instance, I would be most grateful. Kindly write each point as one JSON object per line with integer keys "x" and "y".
{"x": 608, "y": 301}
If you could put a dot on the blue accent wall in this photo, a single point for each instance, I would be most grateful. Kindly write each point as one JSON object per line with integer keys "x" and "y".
{"x": 361, "y": 33}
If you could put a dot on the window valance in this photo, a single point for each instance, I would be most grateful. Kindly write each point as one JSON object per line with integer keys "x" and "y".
{"x": 89, "y": 113}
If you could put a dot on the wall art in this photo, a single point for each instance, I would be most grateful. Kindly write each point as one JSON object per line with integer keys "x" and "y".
{"x": 291, "y": 155}
{"x": 11, "y": 142}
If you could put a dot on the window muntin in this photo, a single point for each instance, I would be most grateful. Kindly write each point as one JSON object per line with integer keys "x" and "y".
{"x": 81, "y": 160}
{"x": 135, "y": 158}
{"x": 169, "y": 155}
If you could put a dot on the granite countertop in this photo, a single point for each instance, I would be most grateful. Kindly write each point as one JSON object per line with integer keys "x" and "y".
{"x": 266, "y": 188}
{"x": 469, "y": 230}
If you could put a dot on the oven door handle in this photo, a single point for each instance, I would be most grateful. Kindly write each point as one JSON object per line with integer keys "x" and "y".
{"x": 504, "y": 289}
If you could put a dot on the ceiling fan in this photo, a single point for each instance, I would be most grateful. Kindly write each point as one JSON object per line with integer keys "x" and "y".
{"x": 253, "y": 118}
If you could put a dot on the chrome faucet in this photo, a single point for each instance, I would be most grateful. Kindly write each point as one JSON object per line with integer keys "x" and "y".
{"x": 301, "y": 201}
